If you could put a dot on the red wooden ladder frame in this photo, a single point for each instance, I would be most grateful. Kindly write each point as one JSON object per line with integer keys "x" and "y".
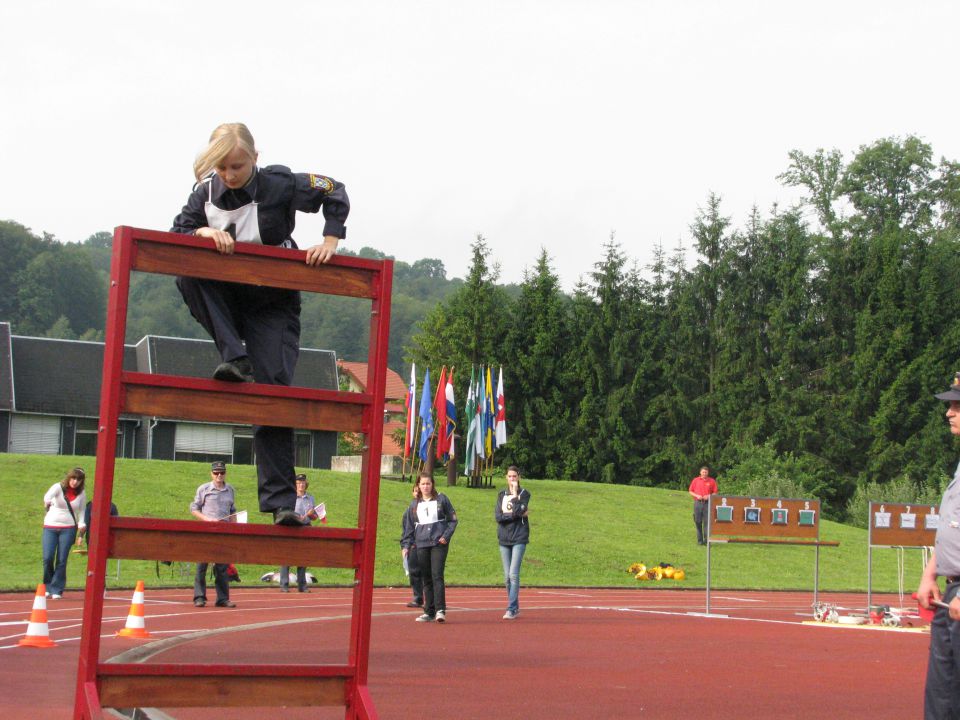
{"x": 117, "y": 685}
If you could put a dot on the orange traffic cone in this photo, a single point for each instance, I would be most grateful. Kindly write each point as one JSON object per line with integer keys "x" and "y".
{"x": 37, "y": 633}
{"x": 135, "y": 627}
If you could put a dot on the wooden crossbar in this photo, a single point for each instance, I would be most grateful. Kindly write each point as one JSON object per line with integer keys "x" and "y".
{"x": 195, "y": 541}
{"x": 171, "y": 685}
{"x": 250, "y": 264}
{"x": 183, "y": 398}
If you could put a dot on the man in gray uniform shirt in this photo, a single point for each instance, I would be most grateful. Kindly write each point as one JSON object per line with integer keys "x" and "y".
{"x": 214, "y": 502}
{"x": 942, "y": 694}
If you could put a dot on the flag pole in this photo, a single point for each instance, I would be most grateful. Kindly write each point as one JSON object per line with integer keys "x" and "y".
{"x": 452, "y": 449}
{"x": 441, "y": 386}
{"x": 413, "y": 445}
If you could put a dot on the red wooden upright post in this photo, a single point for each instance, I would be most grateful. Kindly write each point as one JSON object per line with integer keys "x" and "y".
{"x": 116, "y": 329}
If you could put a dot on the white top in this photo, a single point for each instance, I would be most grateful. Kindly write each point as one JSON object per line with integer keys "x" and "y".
{"x": 57, "y": 513}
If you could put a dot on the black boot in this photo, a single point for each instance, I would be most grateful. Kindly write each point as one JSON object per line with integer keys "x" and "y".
{"x": 286, "y": 517}
{"x": 239, "y": 370}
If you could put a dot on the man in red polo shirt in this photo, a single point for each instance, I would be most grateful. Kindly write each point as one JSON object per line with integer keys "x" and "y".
{"x": 701, "y": 488}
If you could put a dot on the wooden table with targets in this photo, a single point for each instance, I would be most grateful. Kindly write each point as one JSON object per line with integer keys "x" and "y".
{"x": 734, "y": 519}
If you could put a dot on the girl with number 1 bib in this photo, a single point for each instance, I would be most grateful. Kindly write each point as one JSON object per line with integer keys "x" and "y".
{"x": 434, "y": 522}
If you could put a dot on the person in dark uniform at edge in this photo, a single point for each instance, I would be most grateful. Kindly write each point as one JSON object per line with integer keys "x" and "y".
{"x": 701, "y": 488}
{"x": 256, "y": 329}
{"x": 409, "y": 551}
{"x": 941, "y": 697}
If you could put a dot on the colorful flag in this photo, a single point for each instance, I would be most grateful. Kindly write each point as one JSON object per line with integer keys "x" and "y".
{"x": 501, "y": 419}
{"x": 426, "y": 417}
{"x": 488, "y": 417}
{"x": 470, "y": 417}
{"x": 451, "y": 416}
{"x": 411, "y": 423}
{"x": 478, "y": 415}
{"x": 440, "y": 403}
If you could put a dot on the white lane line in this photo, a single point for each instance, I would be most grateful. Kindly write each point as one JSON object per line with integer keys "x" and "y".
{"x": 711, "y": 616}
{"x": 567, "y": 594}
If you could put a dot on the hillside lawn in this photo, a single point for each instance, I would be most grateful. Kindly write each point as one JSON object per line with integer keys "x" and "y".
{"x": 582, "y": 534}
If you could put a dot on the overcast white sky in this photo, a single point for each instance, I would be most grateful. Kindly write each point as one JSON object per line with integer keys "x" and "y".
{"x": 536, "y": 123}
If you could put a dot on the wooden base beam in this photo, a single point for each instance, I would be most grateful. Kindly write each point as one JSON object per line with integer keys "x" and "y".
{"x": 166, "y": 686}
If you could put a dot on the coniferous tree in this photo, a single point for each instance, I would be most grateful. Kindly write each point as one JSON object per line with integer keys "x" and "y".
{"x": 535, "y": 368}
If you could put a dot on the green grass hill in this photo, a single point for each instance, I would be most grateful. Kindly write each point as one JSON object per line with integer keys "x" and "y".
{"x": 582, "y": 534}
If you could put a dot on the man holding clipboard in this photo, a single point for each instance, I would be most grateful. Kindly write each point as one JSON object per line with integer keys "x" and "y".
{"x": 306, "y": 510}
{"x": 214, "y": 502}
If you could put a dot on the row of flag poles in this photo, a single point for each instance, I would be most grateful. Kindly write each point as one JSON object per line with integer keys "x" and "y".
{"x": 485, "y": 416}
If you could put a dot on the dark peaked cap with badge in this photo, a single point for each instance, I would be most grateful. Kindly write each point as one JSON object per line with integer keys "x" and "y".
{"x": 953, "y": 393}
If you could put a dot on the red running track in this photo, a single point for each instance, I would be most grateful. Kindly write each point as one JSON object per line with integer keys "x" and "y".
{"x": 572, "y": 653}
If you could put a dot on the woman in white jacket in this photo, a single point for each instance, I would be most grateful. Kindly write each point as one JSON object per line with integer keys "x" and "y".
{"x": 64, "y": 503}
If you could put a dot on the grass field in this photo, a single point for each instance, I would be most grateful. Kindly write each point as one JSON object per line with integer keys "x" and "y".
{"x": 582, "y": 534}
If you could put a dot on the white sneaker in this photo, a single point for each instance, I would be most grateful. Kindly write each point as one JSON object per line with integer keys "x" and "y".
{"x": 424, "y": 618}
{"x": 508, "y": 615}
{"x": 441, "y": 616}
{"x": 55, "y": 596}
{"x": 48, "y": 595}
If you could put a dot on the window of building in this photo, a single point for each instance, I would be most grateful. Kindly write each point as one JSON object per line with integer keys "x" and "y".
{"x": 243, "y": 446}
{"x": 201, "y": 442}
{"x": 303, "y": 443}
{"x": 35, "y": 434}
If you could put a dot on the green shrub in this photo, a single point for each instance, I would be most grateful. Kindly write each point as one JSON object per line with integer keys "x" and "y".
{"x": 761, "y": 472}
{"x": 898, "y": 490}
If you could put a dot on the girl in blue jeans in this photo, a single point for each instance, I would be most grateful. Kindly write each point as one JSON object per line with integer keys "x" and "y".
{"x": 513, "y": 532}
{"x": 64, "y": 502}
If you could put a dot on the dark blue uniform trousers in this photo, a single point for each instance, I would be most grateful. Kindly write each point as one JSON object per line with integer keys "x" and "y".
{"x": 942, "y": 694}
{"x": 262, "y": 323}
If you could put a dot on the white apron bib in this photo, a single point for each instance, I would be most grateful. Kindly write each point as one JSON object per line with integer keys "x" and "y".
{"x": 244, "y": 219}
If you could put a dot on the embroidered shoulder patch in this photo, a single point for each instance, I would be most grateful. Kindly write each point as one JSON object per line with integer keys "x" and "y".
{"x": 321, "y": 183}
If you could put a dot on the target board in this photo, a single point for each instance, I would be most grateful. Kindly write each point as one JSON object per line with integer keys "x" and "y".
{"x": 903, "y": 525}
{"x": 767, "y": 518}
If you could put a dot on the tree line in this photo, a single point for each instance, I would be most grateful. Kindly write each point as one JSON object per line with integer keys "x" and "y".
{"x": 795, "y": 355}
{"x": 53, "y": 289}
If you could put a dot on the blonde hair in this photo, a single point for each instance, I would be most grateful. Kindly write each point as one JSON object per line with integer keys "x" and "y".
{"x": 223, "y": 140}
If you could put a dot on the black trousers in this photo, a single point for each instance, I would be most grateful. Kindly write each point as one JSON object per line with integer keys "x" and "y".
{"x": 263, "y": 324}
{"x": 220, "y": 581}
{"x": 941, "y": 696}
{"x": 416, "y": 576}
{"x": 432, "y": 561}
{"x": 700, "y": 519}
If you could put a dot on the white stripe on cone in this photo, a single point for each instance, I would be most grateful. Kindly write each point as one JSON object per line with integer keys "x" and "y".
{"x": 38, "y": 633}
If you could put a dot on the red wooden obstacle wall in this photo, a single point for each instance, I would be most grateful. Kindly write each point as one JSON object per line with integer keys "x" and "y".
{"x": 116, "y": 685}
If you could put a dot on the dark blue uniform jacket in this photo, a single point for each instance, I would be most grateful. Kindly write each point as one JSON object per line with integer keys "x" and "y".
{"x": 279, "y": 194}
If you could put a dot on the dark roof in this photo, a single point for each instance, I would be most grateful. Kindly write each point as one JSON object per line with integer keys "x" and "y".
{"x": 63, "y": 377}
{"x": 177, "y": 356}
{"x": 59, "y": 377}
{"x": 316, "y": 369}
{"x": 161, "y": 355}
{"x": 6, "y": 371}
